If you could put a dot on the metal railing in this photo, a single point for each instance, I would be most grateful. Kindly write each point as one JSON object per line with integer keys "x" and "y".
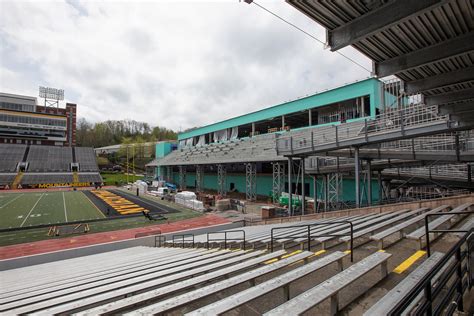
{"x": 226, "y": 239}
{"x": 308, "y": 234}
{"x": 447, "y": 296}
{"x": 398, "y": 120}
{"x": 183, "y": 239}
{"x": 160, "y": 240}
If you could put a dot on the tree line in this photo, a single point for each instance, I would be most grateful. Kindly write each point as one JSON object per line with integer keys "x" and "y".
{"x": 114, "y": 132}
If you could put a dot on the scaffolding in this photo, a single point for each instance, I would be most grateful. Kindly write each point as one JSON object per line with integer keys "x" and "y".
{"x": 182, "y": 178}
{"x": 278, "y": 182}
{"x": 334, "y": 190}
{"x": 221, "y": 180}
{"x": 199, "y": 178}
{"x": 251, "y": 181}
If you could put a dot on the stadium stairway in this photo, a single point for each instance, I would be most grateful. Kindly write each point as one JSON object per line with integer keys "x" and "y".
{"x": 17, "y": 180}
{"x": 75, "y": 177}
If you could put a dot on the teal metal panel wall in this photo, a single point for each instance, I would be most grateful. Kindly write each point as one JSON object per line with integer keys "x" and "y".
{"x": 264, "y": 185}
{"x": 369, "y": 86}
{"x": 162, "y": 149}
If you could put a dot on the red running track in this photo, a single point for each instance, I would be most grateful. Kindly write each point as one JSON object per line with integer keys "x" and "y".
{"x": 44, "y": 246}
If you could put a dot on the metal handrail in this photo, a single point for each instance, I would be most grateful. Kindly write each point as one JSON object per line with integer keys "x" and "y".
{"x": 160, "y": 240}
{"x": 225, "y": 239}
{"x": 428, "y": 230}
{"x": 183, "y": 239}
{"x": 309, "y": 235}
{"x": 454, "y": 293}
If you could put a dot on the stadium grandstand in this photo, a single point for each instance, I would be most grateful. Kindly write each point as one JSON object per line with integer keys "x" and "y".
{"x": 355, "y": 149}
{"x": 34, "y": 166}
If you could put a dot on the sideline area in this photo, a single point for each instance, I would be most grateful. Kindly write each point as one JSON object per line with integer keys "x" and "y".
{"x": 45, "y": 246}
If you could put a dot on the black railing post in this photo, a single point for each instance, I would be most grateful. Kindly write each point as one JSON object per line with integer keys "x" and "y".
{"x": 309, "y": 238}
{"x": 366, "y": 130}
{"x": 337, "y": 136}
{"x": 459, "y": 286}
{"x": 429, "y": 299}
{"x": 225, "y": 240}
{"x": 271, "y": 240}
{"x": 352, "y": 241}
{"x": 427, "y": 233}
{"x": 207, "y": 241}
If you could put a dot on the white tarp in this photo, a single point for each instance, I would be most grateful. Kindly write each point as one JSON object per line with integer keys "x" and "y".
{"x": 188, "y": 199}
{"x": 182, "y": 143}
{"x": 201, "y": 141}
{"x": 234, "y": 132}
{"x": 220, "y": 136}
{"x": 189, "y": 142}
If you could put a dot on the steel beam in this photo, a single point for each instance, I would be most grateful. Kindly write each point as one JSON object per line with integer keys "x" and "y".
{"x": 290, "y": 180}
{"x": 439, "y": 81}
{"x": 278, "y": 180}
{"x": 251, "y": 181}
{"x": 450, "y": 48}
{"x": 199, "y": 178}
{"x": 315, "y": 193}
{"x": 182, "y": 178}
{"x": 221, "y": 180}
{"x": 378, "y": 20}
{"x": 357, "y": 176}
{"x": 369, "y": 182}
{"x": 303, "y": 191}
{"x": 457, "y": 96}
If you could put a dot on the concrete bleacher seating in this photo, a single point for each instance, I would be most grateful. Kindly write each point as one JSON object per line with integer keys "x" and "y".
{"x": 49, "y": 158}
{"x": 11, "y": 156}
{"x": 85, "y": 156}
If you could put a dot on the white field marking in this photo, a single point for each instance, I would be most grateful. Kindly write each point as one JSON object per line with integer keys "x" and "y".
{"x": 19, "y": 195}
{"x": 23, "y": 223}
{"x": 65, "y": 212}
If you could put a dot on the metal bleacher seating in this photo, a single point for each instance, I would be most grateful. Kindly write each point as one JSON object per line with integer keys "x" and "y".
{"x": 85, "y": 156}
{"x": 193, "y": 280}
{"x": 49, "y": 158}
{"x": 89, "y": 177}
{"x": 11, "y": 156}
{"x": 39, "y": 178}
{"x": 7, "y": 178}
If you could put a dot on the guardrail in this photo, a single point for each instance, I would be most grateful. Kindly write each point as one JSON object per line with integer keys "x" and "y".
{"x": 226, "y": 239}
{"x": 358, "y": 132}
{"x": 160, "y": 240}
{"x": 310, "y": 235}
{"x": 183, "y": 238}
{"x": 447, "y": 296}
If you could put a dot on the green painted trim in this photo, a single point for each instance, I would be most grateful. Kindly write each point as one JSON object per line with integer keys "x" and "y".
{"x": 368, "y": 86}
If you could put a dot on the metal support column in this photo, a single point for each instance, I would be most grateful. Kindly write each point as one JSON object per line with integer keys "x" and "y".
{"x": 251, "y": 181}
{"x": 199, "y": 178}
{"x": 315, "y": 193}
{"x": 169, "y": 174}
{"x": 369, "y": 183}
{"x": 326, "y": 192}
{"x": 290, "y": 207}
{"x": 221, "y": 180}
{"x": 182, "y": 178}
{"x": 379, "y": 178}
{"x": 357, "y": 176}
{"x": 303, "y": 191}
{"x": 278, "y": 180}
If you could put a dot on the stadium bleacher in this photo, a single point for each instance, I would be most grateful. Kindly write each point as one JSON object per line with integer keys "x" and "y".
{"x": 11, "y": 156}
{"x": 85, "y": 156}
{"x": 198, "y": 281}
{"x": 39, "y": 178}
{"x": 46, "y": 165}
{"x": 49, "y": 158}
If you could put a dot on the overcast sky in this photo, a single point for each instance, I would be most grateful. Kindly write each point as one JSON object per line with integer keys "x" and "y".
{"x": 176, "y": 64}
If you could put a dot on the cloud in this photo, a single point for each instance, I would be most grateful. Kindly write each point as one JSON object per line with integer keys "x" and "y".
{"x": 176, "y": 64}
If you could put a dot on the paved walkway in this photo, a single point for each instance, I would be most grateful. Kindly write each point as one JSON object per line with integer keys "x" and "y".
{"x": 38, "y": 247}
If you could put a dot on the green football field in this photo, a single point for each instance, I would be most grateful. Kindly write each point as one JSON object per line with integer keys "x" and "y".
{"x": 39, "y": 208}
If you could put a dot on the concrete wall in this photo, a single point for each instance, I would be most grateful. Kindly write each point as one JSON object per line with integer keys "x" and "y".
{"x": 452, "y": 201}
{"x": 100, "y": 248}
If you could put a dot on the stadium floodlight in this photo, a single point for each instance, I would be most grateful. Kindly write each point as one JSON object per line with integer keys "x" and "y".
{"x": 51, "y": 93}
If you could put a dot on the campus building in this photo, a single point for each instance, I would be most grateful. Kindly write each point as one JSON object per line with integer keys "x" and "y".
{"x": 23, "y": 121}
